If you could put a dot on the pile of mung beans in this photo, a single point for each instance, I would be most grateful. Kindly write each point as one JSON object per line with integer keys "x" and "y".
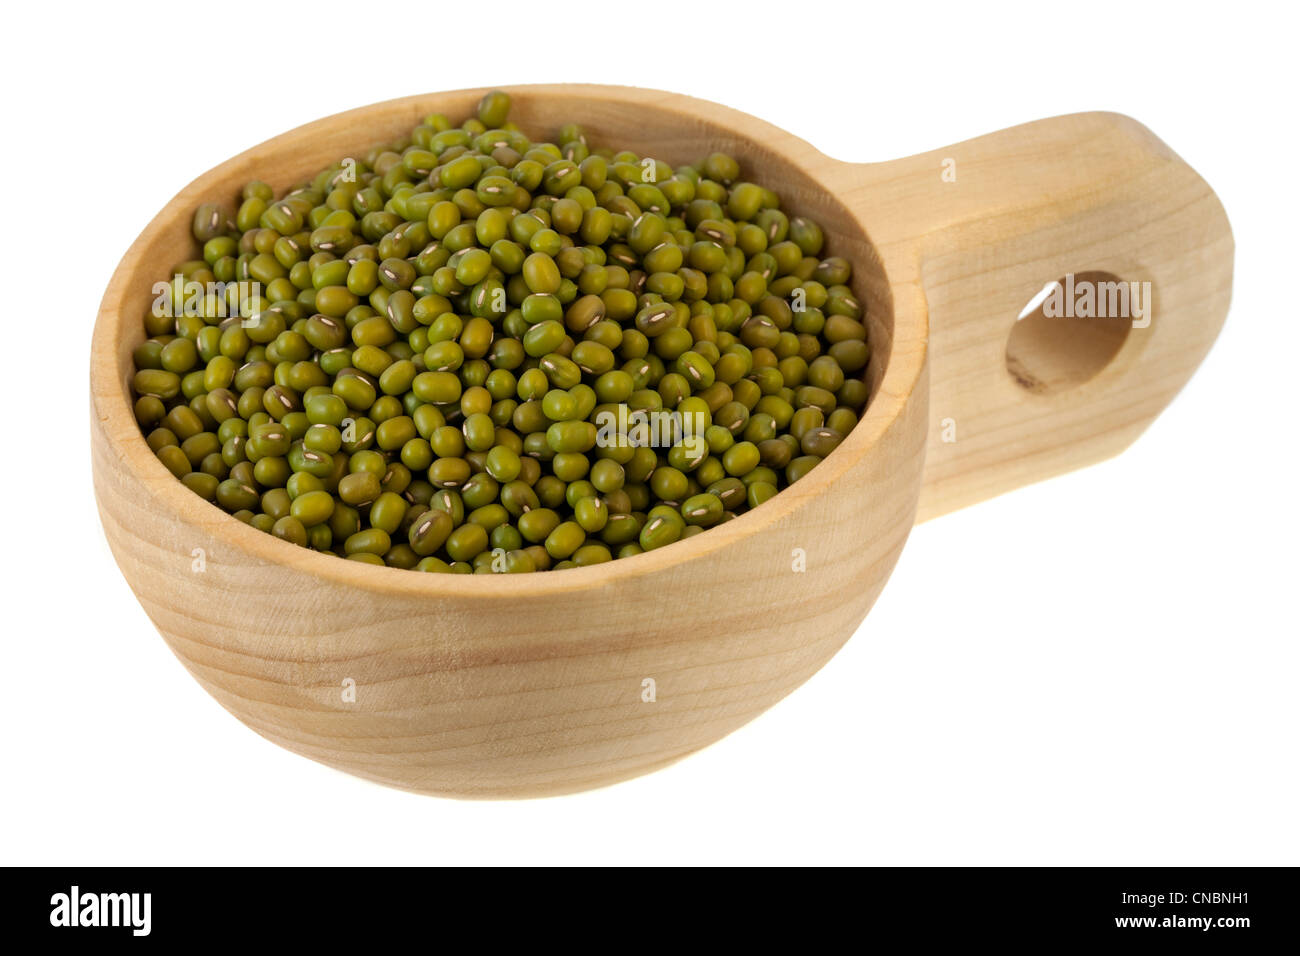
{"x": 414, "y": 359}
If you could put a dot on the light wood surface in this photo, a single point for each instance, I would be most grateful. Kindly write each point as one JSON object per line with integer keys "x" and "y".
{"x": 525, "y": 685}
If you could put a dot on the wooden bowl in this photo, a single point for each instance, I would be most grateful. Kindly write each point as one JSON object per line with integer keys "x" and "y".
{"x": 546, "y": 683}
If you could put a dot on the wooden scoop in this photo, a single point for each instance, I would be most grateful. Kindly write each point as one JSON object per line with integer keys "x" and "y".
{"x": 545, "y": 683}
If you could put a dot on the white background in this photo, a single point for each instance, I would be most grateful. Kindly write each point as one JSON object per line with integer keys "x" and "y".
{"x": 1101, "y": 669}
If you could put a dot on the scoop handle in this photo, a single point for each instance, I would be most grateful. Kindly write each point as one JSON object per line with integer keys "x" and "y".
{"x": 986, "y": 225}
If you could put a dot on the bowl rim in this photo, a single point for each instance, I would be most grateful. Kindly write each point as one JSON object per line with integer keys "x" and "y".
{"x": 114, "y": 418}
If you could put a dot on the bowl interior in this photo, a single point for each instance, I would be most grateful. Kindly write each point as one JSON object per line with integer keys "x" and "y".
{"x": 673, "y": 128}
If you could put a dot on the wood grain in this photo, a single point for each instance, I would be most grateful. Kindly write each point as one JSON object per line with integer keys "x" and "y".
{"x": 530, "y": 685}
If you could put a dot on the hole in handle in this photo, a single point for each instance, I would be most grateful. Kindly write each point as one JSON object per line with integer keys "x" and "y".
{"x": 1073, "y": 328}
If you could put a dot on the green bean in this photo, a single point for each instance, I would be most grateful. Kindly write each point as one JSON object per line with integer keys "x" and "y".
{"x": 455, "y": 359}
